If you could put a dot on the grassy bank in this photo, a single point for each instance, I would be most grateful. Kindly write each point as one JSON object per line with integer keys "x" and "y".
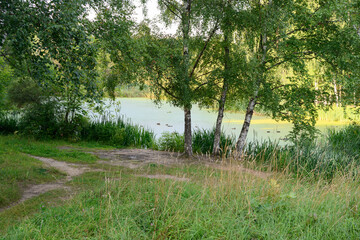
{"x": 212, "y": 204}
{"x": 304, "y": 191}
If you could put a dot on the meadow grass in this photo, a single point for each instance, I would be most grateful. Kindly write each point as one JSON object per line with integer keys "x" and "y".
{"x": 217, "y": 204}
{"x": 56, "y": 149}
{"x": 304, "y": 192}
{"x": 340, "y": 114}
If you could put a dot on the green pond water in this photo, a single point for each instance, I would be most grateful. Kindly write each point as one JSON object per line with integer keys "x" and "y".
{"x": 167, "y": 118}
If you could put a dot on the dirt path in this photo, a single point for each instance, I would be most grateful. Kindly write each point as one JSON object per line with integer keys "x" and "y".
{"x": 70, "y": 169}
{"x": 135, "y": 158}
{"x": 130, "y": 158}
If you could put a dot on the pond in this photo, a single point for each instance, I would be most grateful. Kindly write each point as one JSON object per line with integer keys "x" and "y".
{"x": 167, "y": 118}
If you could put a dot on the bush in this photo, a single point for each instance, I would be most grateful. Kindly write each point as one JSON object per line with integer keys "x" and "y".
{"x": 9, "y": 122}
{"x": 171, "y": 142}
{"x": 203, "y": 141}
{"x": 42, "y": 120}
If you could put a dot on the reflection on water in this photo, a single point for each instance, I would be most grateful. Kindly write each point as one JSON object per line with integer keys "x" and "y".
{"x": 167, "y": 118}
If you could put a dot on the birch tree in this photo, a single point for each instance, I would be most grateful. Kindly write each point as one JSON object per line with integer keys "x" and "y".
{"x": 182, "y": 85}
{"x": 286, "y": 34}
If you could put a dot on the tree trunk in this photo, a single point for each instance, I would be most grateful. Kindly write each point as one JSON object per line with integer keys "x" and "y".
{"x": 316, "y": 88}
{"x": 187, "y": 132}
{"x": 336, "y": 93}
{"x": 187, "y": 93}
{"x": 240, "y": 145}
{"x": 217, "y": 135}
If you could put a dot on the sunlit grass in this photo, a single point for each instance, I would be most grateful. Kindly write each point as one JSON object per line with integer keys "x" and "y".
{"x": 338, "y": 114}
{"x": 214, "y": 204}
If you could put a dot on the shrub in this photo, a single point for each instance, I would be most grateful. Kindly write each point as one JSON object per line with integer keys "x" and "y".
{"x": 203, "y": 141}
{"x": 9, "y": 122}
{"x": 41, "y": 120}
{"x": 171, "y": 142}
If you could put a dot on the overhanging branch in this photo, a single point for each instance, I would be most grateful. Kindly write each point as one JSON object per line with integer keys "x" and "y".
{"x": 203, "y": 49}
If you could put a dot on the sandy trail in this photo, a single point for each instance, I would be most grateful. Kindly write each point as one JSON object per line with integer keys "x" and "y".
{"x": 70, "y": 169}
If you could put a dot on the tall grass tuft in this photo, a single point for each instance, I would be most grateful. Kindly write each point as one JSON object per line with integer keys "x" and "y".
{"x": 107, "y": 130}
{"x": 118, "y": 132}
{"x": 171, "y": 142}
{"x": 337, "y": 152}
{"x": 346, "y": 140}
{"x": 202, "y": 142}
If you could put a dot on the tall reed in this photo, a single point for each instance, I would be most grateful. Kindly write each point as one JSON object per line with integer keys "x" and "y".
{"x": 337, "y": 151}
{"x": 117, "y": 132}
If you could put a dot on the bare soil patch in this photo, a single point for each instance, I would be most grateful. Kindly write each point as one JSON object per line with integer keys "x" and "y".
{"x": 70, "y": 169}
{"x": 130, "y": 158}
{"x": 135, "y": 158}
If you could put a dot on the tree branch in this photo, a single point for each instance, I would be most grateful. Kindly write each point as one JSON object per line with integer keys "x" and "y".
{"x": 169, "y": 5}
{"x": 288, "y": 59}
{"x": 203, "y": 49}
{"x": 165, "y": 89}
{"x": 198, "y": 87}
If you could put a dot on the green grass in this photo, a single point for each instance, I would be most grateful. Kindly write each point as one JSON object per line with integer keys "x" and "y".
{"x": 339, "y": 114}
{"x": 47, "y": 148}
{"x": 16, "y": 214}
{"x": 223, "y": 205}
{"x": 18, "y": 170}
{"x": 213, "y": 204}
